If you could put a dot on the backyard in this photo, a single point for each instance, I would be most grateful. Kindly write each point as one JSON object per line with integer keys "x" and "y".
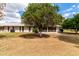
{"x": 28, "y": 44}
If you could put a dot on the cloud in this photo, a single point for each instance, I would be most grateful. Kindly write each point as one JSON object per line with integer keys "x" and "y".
{"x": 13, "y": 7}
{"x": 73, "y": 6}
{"x": 66, "y": 14}
{"x": 13, "y": 15}
{"x": 77, "y": 7}
{"x": 71, "y": 11}
{"x": 68, "y": 9}
{"x": 12, "y": 12}
{"x": 70, "y": 14}
{"x": 10, "y": 20}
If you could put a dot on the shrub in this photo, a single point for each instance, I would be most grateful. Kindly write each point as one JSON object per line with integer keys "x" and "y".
{"x": 35, "y": 30}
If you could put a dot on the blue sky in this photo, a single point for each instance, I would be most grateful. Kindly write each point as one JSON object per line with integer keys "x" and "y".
{"x": 13, "y": 11}
{"x": 68, "y": 9}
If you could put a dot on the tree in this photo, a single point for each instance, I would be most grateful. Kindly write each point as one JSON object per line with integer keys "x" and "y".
{"x": 67, "y": 23}
{"x": 72, "y": 23}
{"x": 58, "y": 19}
{"x": 76, "y": 22}
{"x": 2, "y": 6}
{"x": 41, "y": 15}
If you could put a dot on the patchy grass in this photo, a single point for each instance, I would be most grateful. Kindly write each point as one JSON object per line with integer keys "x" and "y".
{"x": 69, "y": 31}
{"x": 9, "y": 34}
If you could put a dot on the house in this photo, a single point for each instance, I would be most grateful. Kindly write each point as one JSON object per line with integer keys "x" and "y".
{"x": 19, "y": 27}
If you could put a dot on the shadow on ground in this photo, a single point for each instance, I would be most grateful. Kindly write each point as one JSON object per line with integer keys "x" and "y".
{"x": 31, "y": 36}
{"x": 69, "y": 37}
{"x": 76, "y": 46}
{"x": 70, "y": 33}
{"x": 2, "y": 36}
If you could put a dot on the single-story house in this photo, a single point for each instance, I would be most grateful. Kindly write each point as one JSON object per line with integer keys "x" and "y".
{"x": 18, "y": 27}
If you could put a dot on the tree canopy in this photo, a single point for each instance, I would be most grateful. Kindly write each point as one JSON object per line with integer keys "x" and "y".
{"x": 72, "y": 23}
{"x": 42, "y": 15}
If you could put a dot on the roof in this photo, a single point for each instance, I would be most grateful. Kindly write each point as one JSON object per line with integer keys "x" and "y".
{"x": 12, "y": 24}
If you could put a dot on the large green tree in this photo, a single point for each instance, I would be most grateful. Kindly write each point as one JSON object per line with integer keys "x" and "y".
{"x": 42, "y": 15}
{"x": 72, "y": 23}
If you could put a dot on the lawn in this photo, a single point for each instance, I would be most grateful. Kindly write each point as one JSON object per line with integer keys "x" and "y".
{"x": 8, "y": 34}
{"x": 69, "y": 30}
{"x": 29, "y": 44}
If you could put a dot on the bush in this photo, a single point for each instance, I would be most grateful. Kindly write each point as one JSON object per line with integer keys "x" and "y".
{"x": 35, "y": 30}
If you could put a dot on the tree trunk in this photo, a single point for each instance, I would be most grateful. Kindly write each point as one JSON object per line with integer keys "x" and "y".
{"x": 40, "y": 34}
{"x": 76, "y": 31}
{"x": 47, "y": 29}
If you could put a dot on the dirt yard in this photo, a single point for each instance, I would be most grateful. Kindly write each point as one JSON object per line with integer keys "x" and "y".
{"x": 54, "y": 45}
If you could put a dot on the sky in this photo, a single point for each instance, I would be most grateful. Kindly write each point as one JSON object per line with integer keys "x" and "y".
{"x": 13, "y": 11}
{"x": 68, "y": 9}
